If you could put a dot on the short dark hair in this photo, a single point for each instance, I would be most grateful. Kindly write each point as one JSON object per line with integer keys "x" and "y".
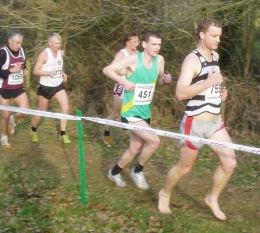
{"x": 205, "y": 24}
{"x": 129, "y": 35}
{"x": 148, "y": 34}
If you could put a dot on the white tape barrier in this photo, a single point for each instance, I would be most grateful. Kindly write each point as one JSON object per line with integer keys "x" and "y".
{"x": 40, "y": 113}
{"x": 248, "y": 149}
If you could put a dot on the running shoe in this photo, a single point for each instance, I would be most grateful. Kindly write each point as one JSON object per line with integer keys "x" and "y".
{"x": 65, "y": 139}
{"x": 4, "y": 141}
{"x": 139, "y": 180}
{"x": 35, "y": 137}
{"x": 117, "y": 179}
{"x": 12, "y": 125}
{"x": 107, "y": 140}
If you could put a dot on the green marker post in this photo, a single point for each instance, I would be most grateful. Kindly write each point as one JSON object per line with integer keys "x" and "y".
{"x": 81, "y": 160}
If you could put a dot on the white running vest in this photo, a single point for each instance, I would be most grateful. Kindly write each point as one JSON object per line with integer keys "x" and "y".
{"x": 52, "y": 64}
{"x": 210, "y": 99}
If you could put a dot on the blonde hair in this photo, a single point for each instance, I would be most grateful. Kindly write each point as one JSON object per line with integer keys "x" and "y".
{"x": 205, "y": 24}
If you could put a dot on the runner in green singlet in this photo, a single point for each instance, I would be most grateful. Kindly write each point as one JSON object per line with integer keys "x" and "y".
{"x": 144, "y": 71}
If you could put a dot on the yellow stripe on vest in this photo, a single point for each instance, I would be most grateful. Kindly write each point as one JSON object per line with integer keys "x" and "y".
{"x": 127, "y": 106}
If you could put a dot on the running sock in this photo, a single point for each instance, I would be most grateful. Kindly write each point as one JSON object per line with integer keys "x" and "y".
{"x": 138, "y": 168}
{"x": 106, "y": 133}
{"x": 116, "y": 170}
{"x": 33, "y": 129}
{"x": 62, "y": 133}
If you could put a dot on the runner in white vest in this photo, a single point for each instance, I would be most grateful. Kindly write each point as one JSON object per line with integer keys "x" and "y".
{"x": 131, "y": 41}
{"x": 49, "y": 66}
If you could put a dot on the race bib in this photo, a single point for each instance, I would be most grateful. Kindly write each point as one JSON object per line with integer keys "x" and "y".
{"x": 143, "y": 94}
{"x": 213, "y": 94}
{"x": 15, "y": 78}
{"x": 57, "y": 74}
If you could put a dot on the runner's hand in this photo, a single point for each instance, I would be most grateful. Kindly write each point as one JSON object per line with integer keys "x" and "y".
{"x": 16, "y": 68}
{"x": 128, "y": 85}
{"x": 214, "y": 78}
{"x": 167, "y": 79}
{"x": 223, "y": 93}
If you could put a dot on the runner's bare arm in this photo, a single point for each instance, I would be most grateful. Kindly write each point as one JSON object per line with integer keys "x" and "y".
{"x": 111, "y": 70}
{"x": 190, "y": 68}
{"x": 37, "y": 69}
{"x": 120, "y": 55}
{"x": 163, "y": 79}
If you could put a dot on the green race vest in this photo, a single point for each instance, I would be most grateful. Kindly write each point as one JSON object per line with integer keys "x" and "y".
{"x": 138, "y": 103}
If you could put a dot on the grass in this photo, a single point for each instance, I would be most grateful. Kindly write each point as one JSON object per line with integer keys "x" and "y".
{"x": 40, "y": 188}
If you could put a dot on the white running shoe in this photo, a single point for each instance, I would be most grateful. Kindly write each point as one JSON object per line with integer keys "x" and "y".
{"x": 139, "y": 180}
{"x": 11, "y": 126}
{"x": 4, "y": 141}
{"x": 117, "y": 179}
